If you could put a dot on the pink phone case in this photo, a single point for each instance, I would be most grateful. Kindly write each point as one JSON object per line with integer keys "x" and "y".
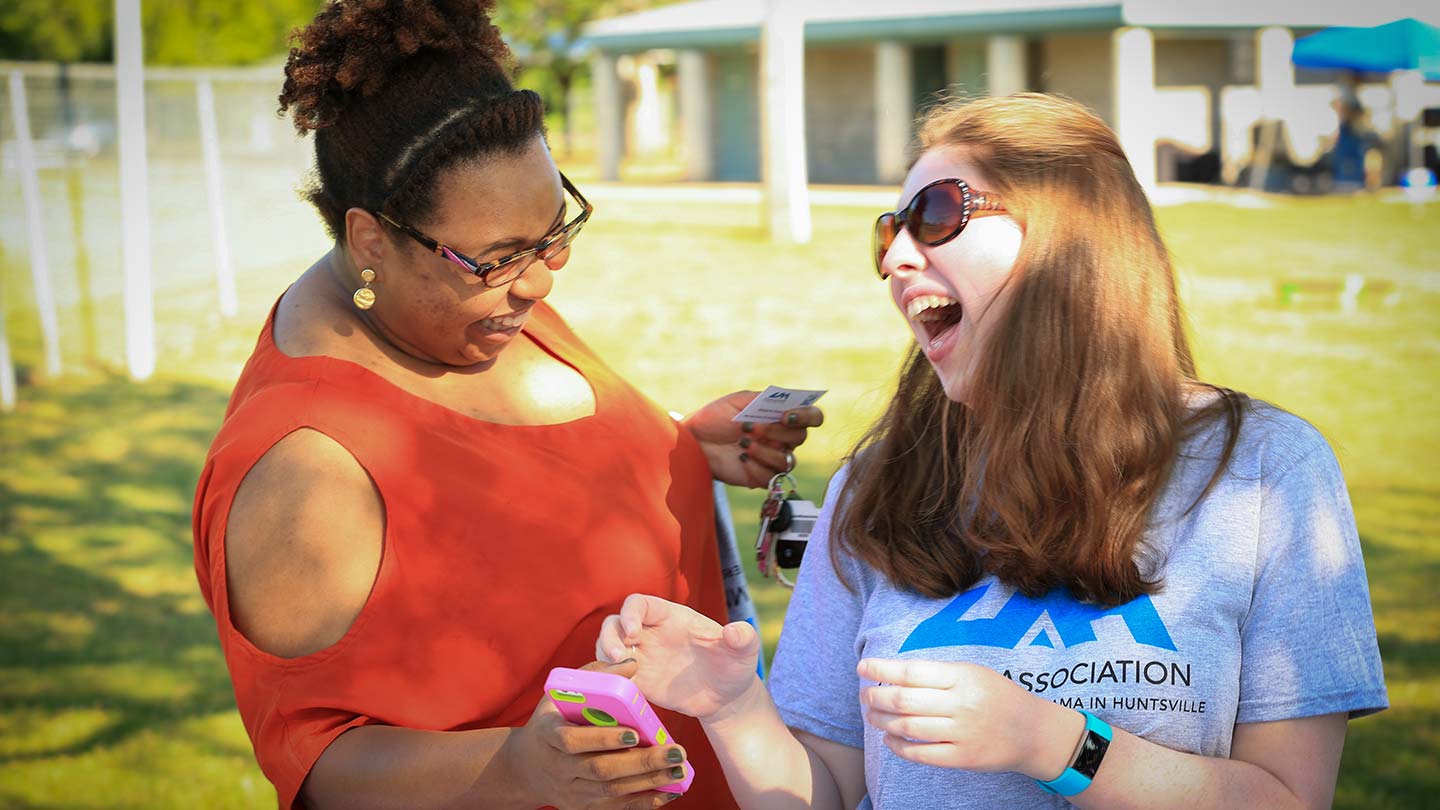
{"x": 603, "y": 699}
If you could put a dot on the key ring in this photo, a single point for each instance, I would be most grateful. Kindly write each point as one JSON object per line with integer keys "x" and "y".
{"x": 794, "y": 486}
{"x": 769, "y": 557}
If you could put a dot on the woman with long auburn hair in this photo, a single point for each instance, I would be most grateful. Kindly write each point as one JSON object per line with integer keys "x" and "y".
{"x": 1060, "y": 567}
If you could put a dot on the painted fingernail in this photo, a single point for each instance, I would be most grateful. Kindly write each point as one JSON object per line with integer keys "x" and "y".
{"x": 792, "y": 419}
{"x": 677, "y": 772}
{"x": 744, "y": 457}
{"x": 746, "y": 427}
{"x": 744, "y": 441}
{"x": 675, "y": 755}
{"x": 629, "y": 738}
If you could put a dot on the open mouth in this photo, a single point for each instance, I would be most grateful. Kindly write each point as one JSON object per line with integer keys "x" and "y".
{"x": 503, "y": 324}
{"x": 936, "y": 315}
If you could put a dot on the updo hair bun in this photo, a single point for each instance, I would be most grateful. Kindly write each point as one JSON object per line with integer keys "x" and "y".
{"x": 397, "y": 92}
{"x": 353, "y": 47}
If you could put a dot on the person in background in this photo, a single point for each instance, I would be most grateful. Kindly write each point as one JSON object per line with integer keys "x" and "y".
{"x": 1348, "y": 163}
{"x": 1060, "y": 567}
{"x": 427, "y": 491}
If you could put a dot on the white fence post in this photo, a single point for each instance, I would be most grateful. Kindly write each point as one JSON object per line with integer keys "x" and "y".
{"x": 134, "y": 191}
{"x": 7, "y": 368}
{"x": 215, "y": 194}
{"x": 894, "y": 110}
{"x": 34, "y": 219}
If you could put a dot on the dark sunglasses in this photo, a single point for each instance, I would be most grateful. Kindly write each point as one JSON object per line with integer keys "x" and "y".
{"x": 505, "y": 270}
{"x": 936, "y": 214}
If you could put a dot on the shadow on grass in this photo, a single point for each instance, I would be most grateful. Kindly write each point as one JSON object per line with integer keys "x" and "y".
{"x": 1390, "y": 758}
{"x": 98, "y": 605}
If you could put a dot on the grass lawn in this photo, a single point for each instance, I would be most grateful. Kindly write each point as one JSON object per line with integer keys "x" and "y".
{"x": 113, "y": 692}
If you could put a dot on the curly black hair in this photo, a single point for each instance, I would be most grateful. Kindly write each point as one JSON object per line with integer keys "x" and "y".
{"x": 396, "y": 91}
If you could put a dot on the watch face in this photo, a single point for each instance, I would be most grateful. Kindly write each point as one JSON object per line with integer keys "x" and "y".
{"x": 1091, "y": 752}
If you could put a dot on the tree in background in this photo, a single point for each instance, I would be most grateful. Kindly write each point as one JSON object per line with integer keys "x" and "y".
{"x": 177, "y": 32}
{"x": 222, "y": 32}
{"x": 56, "y": 32}
{"x": 543, "y": 34}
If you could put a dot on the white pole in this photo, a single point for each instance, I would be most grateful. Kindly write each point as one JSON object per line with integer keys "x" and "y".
{"x": 1275, "y": 75}
{"x": 894, "y": 111}
{"x": 34, "y": 218}
{"x": 609, "y": 114}
{"x": 215, "y": 194}
{"x": 1005, "y": 65}
{"x": 134, "y": 191}
{"x": 696, "y": 120}
{"x": 650, "y": 122}
{"x": 782, "y": 122}
{"x": 7, "y": 368}
{"x": 1133, "y": 80}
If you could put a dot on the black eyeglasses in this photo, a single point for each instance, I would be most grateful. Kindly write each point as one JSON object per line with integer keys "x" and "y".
{"x": 505, "y": 270}
{"x": 936, "y": 214}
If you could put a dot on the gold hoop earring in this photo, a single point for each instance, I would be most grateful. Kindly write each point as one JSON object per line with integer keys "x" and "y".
{"x": 364, "y": 297}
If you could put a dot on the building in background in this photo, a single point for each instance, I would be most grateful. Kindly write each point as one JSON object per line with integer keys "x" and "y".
{"x": 1189, "y": 87}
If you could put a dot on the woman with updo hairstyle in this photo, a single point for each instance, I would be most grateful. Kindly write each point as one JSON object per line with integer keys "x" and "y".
{"x": 1060, "y": 569}
{"x": 427, "y": 491}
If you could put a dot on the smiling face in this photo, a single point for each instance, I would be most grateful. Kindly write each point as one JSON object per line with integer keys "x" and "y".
{"x": 432, "y": 308}
{"x": 952, "y": 295}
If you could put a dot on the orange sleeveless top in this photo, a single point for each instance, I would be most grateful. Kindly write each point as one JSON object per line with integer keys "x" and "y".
{"x": 504, "y": 548}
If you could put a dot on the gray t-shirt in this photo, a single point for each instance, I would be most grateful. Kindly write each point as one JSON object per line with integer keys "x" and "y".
{"x": 1264, "y": 615}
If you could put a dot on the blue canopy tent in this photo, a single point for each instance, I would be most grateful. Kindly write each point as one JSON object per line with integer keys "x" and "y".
{"x": 1406, "y": 44}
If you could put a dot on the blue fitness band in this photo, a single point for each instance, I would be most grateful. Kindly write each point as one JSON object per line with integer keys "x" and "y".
{"x": 1093, "y": 746}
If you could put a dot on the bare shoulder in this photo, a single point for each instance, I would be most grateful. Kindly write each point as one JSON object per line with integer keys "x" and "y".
{"x": 309, "y": 321}
{"x": 302, "y": 545}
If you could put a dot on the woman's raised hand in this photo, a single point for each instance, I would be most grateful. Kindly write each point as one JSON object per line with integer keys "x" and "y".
{"x": 747, "y": 454}
{"x": 688, "y": 662}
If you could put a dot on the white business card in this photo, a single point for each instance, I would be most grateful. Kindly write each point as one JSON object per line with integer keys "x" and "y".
{"x": 774, "y": 401}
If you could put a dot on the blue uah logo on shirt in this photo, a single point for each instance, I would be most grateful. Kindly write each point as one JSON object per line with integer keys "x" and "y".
{"x": 1072, "y": 620}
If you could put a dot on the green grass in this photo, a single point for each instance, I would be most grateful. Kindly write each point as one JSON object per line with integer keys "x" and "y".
{"x": 114, "y": 694}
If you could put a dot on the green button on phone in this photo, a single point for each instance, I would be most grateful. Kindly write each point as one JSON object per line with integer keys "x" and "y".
{"x": 598, "y": 718}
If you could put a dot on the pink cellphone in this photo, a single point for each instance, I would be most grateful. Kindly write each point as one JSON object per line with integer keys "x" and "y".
{"x": 604, "y": 699}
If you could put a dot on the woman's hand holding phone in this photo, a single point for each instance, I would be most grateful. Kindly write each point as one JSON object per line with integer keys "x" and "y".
{"x": 587, "y": 767}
